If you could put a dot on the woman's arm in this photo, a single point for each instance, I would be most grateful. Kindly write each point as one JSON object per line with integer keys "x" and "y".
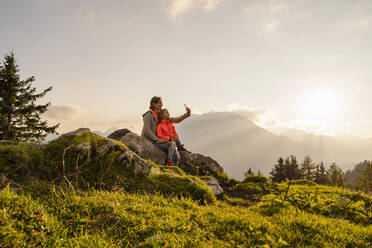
{"x": 147, "y": 127}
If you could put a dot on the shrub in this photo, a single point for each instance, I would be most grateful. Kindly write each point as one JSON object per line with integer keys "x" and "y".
{"x": 256, "y": 179}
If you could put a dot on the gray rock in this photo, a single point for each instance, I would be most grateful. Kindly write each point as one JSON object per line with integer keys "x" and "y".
{"x": 105, "y": 148}
{"x": 140, "y": 165}
{"x": 85, "y": 150}
{"x": 213, "y": 185}
{"x": 118, "y": 134}
{"x": 143, "y": 148}
{"x": 198, "y": 164}
{"x": 77, "y": 132}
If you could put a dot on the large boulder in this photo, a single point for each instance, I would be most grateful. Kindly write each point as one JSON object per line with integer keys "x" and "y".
{"x": 192, "y": 163}
{"x": 143, "y": 147}
{"x": 198, "y": 164}
{"x": 118, "y": 134}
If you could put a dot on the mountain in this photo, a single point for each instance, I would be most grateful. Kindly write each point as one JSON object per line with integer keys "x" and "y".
{"x": 238, "y": 143}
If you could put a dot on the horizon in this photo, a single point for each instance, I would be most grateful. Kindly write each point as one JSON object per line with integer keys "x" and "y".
{"x": 283, "y": 64}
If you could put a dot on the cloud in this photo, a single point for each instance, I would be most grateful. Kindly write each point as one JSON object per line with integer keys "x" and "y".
{"x": 180, "y": 7}
{"x": 255, "y": 115}
{"x": 62, "y": 112}
{"x": 270, "y": 11}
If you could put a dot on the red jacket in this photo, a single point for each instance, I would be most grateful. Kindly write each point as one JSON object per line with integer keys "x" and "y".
{"x": 166, "y": 130}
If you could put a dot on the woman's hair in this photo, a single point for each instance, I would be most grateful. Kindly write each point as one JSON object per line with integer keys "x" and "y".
{"x": 153, "y": 101}
{"x": 160, "y": 115}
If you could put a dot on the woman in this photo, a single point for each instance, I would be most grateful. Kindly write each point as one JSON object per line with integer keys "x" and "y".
{"x": 150, "y": 121}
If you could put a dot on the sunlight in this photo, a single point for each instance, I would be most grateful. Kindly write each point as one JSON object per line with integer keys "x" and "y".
{"x": 321, "y": 104}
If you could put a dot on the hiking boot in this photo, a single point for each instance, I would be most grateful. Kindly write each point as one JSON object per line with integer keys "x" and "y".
{"x": 181, "y": 148}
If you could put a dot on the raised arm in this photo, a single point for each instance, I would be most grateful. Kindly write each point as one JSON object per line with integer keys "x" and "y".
{"x": 182, "y": 117}
{"x": 179, "y": 118}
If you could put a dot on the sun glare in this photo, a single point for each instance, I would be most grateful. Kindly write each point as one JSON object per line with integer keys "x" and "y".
{"x": 321, "y": 105}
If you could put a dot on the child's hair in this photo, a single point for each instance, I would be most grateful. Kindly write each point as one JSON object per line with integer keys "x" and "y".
{"x": 160, "y": 115}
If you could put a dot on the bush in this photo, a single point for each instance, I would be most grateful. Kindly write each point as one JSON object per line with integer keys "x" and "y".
{"x": 303, "y": 182}
{"x": 256, "y": 179}
{"x": 249, "y": 187}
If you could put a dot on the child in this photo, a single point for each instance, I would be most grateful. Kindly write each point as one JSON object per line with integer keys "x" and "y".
{"x": 167, "y": 131}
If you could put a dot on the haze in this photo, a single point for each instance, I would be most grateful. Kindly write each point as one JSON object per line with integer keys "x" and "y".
{"x": 286, "y": 64}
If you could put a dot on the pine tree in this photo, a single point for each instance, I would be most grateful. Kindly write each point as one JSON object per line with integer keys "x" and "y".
{"x": 248, "y": 172}
{"x": 336, "y": 176}
{"x": 19, "y": 114}
{"x": 307, "y": 167}
{"x": 320, "y": 174}
{"x": 365, "y": 178}
{"x": 278, "y": 173}
{"x": 294, "y": 171}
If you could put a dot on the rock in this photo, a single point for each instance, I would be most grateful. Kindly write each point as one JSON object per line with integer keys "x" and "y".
{"x": 77, "y": 132}
{"x": 198, "y": 164}
{"x": 85, "y": 150}
{"x": 105, "y": 148}
{"x": 143, "y": 148}
{"x": 213, "y": 185}
{"x": 140, "y": 165}
{"x": 192, "y": 163}
{"x": 118, "y": 134}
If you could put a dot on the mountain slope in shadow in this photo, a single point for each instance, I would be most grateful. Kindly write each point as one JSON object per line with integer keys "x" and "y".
{"x": 238, "y": 143}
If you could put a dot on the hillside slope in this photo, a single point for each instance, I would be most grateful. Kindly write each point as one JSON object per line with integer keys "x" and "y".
{"x": 81, "y": 190}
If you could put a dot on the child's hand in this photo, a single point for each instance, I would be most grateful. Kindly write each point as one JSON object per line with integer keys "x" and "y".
{"x": 188, "y": 110}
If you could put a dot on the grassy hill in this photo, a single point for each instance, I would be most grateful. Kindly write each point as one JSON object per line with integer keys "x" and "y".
{"x": 57, "y": 196}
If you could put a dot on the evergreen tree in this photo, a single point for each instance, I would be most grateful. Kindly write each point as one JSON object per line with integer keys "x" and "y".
{"x": 365, "y": 178}
{"x": 248, "y": 172}
{"x": 295, "y": 171}
{"x": 278, "y": 173}
{"x": 336, "y": 176}
{"x": 320, "y": 176}
{"x": 323, "y": 174}
{"x": 19, "y": 114}
{"x": 307, "y": 168}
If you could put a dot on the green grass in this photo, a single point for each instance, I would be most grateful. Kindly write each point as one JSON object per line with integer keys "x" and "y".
{"x": 52, "y": 196}
{"x": 100, "y": 218}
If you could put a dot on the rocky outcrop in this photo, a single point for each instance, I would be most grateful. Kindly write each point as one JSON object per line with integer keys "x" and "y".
{"x": 76, "y": 132}
{"x": 104, "y": 147}
{"x": 213, "y": 185}
{"x": 143, "y": 148}
{"x": 199, "y": 165}
{"x": 118, "y": 134}
{"x": 192, "y": 163}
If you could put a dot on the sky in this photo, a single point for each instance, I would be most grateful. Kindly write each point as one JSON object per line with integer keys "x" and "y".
{"x": 301, "y": 64}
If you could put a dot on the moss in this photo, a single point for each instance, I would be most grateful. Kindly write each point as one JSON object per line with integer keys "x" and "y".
{"x": 172, "y": 169}
{"x": 249, "y": 187}
{"x": 256, "y": 179}
{"x": 24, "y": 222}
{"x": 303, "y": 182}
{"x": 225, "y": 181}
{"x": 182, "y": 185}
